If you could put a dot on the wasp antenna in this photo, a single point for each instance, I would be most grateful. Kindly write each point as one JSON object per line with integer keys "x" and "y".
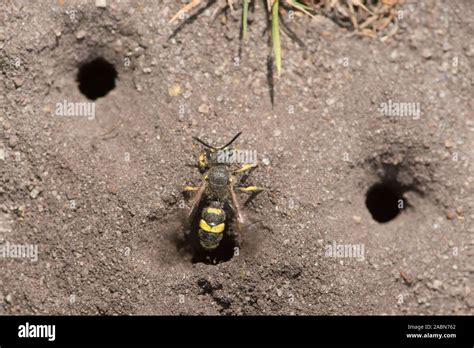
{"x": 205, "y": 144}
{"x": 230, "y": 142}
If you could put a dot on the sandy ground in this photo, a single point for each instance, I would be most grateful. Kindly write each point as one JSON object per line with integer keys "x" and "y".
{"x": 100, "y": 196}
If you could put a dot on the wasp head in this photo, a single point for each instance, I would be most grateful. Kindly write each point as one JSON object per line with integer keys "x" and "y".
{"x": 211, "y": 155}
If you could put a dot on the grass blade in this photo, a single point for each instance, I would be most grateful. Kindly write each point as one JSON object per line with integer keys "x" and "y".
{"x": 245, "y": 14}
{"x": 276, "y": 36}
{"x": 303, "y": 8}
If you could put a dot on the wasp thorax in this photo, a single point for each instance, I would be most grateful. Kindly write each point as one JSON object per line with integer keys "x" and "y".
{"x": 218, "y": 179}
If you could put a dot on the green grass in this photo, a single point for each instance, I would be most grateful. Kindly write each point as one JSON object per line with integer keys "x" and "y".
{"x": 274, "y": 6}
{"x": 276, "y": 36}
{"x": 245, "y": 15}
{"x": 274, "y": 14}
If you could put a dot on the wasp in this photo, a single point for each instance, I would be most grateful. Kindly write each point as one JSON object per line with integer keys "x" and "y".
{"x": 216, "y": 196}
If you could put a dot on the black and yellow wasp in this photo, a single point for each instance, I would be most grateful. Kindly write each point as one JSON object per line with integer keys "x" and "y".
{"x": 217, "y": 194}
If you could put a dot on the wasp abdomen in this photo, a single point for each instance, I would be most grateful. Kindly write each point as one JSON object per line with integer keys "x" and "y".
{"x": 211, "y": 227}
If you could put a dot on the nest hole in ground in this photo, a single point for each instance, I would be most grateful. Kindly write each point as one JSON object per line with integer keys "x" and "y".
{"x": 223, "y": 253}
{"x": 385, "y": 200}
{"x": 96, "y": 78}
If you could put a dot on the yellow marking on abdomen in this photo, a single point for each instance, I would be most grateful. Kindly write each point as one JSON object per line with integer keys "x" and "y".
{"x": 213, "y": 229}
{"x": 217, "y": 211}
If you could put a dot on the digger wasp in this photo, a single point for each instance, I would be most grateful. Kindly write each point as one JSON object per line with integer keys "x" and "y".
{"x": 215, "y": 199}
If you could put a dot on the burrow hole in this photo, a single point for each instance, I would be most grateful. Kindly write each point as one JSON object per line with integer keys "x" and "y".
{"x": 385, "y": 200}
{"x": 223, "y": 253}
{"x": 96, "y": 78}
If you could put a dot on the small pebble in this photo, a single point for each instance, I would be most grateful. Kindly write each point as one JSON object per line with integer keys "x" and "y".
{"x": 450, "y": 214}
{"x": 118, "y": 46}
{"x": 18, "y": 82}
{"x": 13, "y": 142}
{"x": 436, "y": 284}
{"x": 427, "y": 53}
{"x": 470, "y": 51}
{"x": 80, "y": 34}
{"x": 393, "y": 56}
{"x": 330, "y": 101}
{"x": 203, "y": 109}
{"x": 448, "y": 143}
{"x": 446, "y": 46}
{"x": 34, "y": 193}
{"x": 444, "y": 67}
{"x": 101, "y": 3}
{"x": 174, "y": 90}
{"x": 229, "y": 35}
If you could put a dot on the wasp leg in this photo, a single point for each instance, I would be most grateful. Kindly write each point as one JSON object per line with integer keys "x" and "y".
{"x": 191, "y": 188}
{"x": 245, "y": 168}
{"x": 250, "y": 189}
{"x": 196, "y": 199}
{"x": 253, "y": 190}
{"x": 202, "y": 162}
{"x": 238, "y": 214}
